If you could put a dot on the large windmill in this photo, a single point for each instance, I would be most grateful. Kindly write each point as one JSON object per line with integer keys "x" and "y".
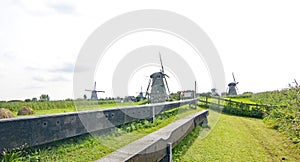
{"x": 94, "y": 93}
{"x": 232, "y": 88}
{"x": 158, "y": 83}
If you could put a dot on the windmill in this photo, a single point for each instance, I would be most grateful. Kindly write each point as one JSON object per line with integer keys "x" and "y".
{"x": 94, "y": 93}
{"x": 214, "y": 92}
{"x": 158, "y": 83}
{"x": 141, "y": 94}
{"x": 232, "y": 88}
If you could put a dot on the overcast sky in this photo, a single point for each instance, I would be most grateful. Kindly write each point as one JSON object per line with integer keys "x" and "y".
{"x": 40, "y": 40}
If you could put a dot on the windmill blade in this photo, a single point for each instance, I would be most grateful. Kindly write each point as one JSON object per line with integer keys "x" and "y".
{"x": 166, "y": 75}
{"x": 296, "y": 82}
{"x": 233, "y": 77}
{"x": 167, "y": 86}
{"x": 148, "y": 87}
{"x": 162, "y": 66}
{"x": 101, "y": 91}
{"x": 88, "y": 90}
{"x": 237, "y": 89}
{"x": 95, "y": 86}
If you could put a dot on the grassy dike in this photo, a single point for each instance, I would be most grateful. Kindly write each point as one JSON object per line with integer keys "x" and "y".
{"x": 236, "y": 139}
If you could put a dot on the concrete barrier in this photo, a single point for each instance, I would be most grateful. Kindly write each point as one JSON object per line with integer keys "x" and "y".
{"x": 158, "y": 145}
{"x": 37, "y": 130}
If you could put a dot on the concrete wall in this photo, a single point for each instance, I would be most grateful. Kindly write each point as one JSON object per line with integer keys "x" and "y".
{"x": 32, "y": 131}
{"x": 158, "y": 145}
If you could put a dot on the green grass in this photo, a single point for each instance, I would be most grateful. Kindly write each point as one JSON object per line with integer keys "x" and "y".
{"x": 80, "y": 108}
{"x": 242, "y": 99}
{"x": 90, "y": 148}
{"x": 240, "y": 139}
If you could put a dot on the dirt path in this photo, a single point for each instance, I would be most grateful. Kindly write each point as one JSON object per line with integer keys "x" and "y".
{"x": 242, "y": 139}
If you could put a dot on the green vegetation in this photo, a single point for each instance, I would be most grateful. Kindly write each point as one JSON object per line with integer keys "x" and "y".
{"x": 237, "y": 139}
{"x": 242, "y": 99}
{"x": 286, "y": 117}
{"x": 234, "y": 138}
{"x": 244, "y": 109}
{"x": 280, "y": 109}
{"x": 54, "y": 107}
{"x": 183, "y": 146}
{"x": 239, "y": 106}
{"x": 90, "y": 148}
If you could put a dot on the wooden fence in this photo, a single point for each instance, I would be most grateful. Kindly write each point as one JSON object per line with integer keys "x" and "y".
{"x": 234, "y": 107}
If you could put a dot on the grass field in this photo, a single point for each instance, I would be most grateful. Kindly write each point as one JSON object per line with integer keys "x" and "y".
{"x": 244, "y": 100}
{"x": 240, "y": 139}
{"x": 79, "y": 108}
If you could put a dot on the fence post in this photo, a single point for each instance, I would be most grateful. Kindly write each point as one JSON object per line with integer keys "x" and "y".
{"x": 169, "y": 152}
{"x": 153, "y": 114}
{"x": 206, "y": 101}
{"x": 219, "y": 102}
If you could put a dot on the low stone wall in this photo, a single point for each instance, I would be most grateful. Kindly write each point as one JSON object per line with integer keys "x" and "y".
{"x": 158, "y": 145}
{"x": 37, "y": 130}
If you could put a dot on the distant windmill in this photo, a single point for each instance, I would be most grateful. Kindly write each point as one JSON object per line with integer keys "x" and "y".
{"x": 157, "y": 82}
{"x": 141, "y": 94}
{"x": 94, "y": 93}
{"x": 232, "y": 88}
{"x": 214, "y": 92}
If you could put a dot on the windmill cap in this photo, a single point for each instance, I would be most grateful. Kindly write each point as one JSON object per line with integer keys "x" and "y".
{"x": 233, "y": 84}
{"x": 157, "y": 75}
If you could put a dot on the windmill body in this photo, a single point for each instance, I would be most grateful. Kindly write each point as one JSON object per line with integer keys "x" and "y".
{"x": 214, "y": 92}
{"x": 232, "y": 88}
{"x": 158, "y": 91}
{"x": 159, "y": 85}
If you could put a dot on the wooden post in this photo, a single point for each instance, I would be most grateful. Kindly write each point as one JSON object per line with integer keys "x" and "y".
{"x": 206, "y": 101}
{"x": 153, "y": 114}
{"x": 219, "y": 102}
{"x": 169, "y": 152}
{"x": 195, "y": 95}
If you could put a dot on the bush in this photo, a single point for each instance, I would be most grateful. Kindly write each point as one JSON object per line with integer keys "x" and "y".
{"x": 286, "y": 117}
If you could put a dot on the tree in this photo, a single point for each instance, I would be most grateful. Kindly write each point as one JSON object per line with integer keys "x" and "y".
{"x": 44, "y": 97}
{"x": 27, "y": 100}
{"x": 34, "y": 99}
